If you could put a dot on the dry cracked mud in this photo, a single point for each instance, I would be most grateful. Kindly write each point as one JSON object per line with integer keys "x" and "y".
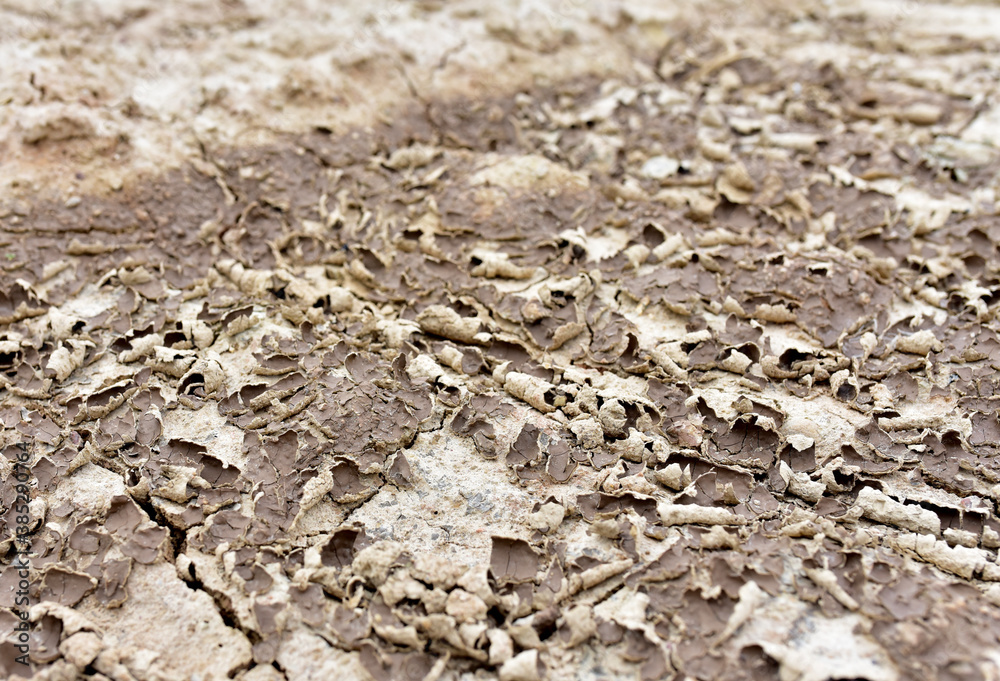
{"x": 549, "y": 340}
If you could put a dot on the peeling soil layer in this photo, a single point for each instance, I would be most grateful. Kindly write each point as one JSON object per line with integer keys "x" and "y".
{"x": 451, "y": 349}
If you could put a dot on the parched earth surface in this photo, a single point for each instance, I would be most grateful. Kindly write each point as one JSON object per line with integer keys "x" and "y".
{"x": 547, "y": 340}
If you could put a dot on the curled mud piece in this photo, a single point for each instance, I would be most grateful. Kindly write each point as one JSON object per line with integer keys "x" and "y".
{"x": 690, "y": 514}
{"x": 539, "y": 393}
{"x": 444, "y": 321}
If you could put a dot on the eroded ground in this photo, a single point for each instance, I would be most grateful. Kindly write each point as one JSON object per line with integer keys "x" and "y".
{"x": 543, "y": 342}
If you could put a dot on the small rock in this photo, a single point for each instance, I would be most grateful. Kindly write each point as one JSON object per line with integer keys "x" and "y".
{"x": 522, "y": 667}
{"x": 739, "y": 177}
{"x": 547, "y": 518}
{"x": 660, "y": 167}
{"x": 921, "y": 114}
{"x": 919, "y": 343}
{"x": 81, "y": 649}
{"x": 414, "y": 156}
{"x": 745, "y": 126}
{"x": 465, "y": 607}
{"x": 729, "y": 80}
{"x": 501, "y": 646}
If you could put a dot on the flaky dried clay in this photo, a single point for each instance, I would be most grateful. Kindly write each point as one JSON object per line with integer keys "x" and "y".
{"x": 681, "y": 368}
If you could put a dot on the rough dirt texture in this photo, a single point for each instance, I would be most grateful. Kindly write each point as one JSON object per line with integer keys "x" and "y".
{"x": 556, "y": 340}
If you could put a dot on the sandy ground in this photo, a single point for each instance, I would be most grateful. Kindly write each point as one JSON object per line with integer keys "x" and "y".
{"x": 543, "y": 340}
